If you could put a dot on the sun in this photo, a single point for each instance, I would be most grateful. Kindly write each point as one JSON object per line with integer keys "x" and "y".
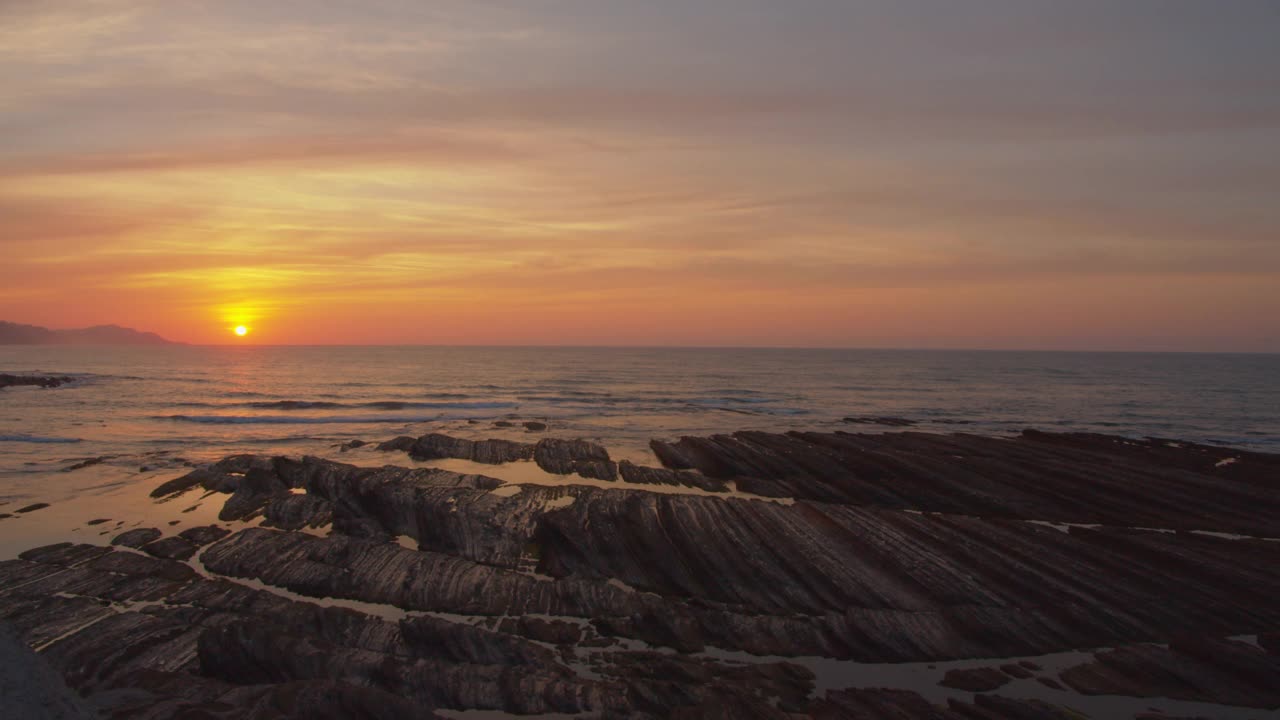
{"x": 241, "y": 330}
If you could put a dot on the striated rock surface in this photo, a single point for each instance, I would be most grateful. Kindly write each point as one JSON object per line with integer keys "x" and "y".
{"x": 554, "y": 632}
{"x": 1071, "y": 478}
{"x": 564, "y": 457}
{"x": 136, "y": 538}
{"x": 642, "y": 475}
{"x": 976, "y": 679}
{"x": 569, "y": 599}
{"x": 189, "y": 646}
{"x": 401, "y": 444}
{"x": 887, "y": 704}
{"x": 1190, "y": 668}
{"x": 344, "y": 567}
{"x": 493, "y": 452}
{"x": 170, "y": 548}
{"x": 201, "y": 536}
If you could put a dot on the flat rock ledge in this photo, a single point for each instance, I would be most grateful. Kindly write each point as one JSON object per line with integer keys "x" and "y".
{"x": 396, "y": 592}
{"x": 557, "y": 456}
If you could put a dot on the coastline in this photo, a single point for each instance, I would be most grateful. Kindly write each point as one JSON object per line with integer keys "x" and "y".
{"x": 865, "y": 536}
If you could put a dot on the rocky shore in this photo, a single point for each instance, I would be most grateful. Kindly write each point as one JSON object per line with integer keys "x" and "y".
{"x": 43, "y": 381}
{"x": 752, "y": 575}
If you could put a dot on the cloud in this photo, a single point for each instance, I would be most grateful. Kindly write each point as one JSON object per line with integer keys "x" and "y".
{"x": 441, "y": 148}
{"x": 658, "y": 159}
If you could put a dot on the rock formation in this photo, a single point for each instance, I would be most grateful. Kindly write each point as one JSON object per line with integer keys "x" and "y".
{"x": 43, "y": 381}
{"x": 439, "y": 590}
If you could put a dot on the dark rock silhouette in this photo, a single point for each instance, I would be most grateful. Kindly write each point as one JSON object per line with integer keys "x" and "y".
{"x": 1069, "y": 478}
{"x": 136, "y": 538}
{"x": 1191, "y": 668}
{"x": 564, "y": 457}
{"x": 43, "y": 381}
{"x": 976, "y": 679}
{"x": 890, "y": 421}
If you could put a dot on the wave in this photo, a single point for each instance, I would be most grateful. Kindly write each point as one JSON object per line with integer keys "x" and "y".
{"x": 560, "y": 400}
{"x": 455, "y": 405}
{"x": 292, "y": 405}
{"x": 94, "y": 377}
{"x": 375, "y": 405}
{"x": 361, "y": 384}
{"x": 734, "y": 392}
{"x": 294, "y": 419}
{"x": 733, "y": 400}
{"x": 37, "y": 439}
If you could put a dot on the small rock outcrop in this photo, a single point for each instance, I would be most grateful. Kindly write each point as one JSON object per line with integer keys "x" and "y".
{"x": 492, "y": 452}
{"x": 136, "y": 538}
{"x": 642, "y": 475}
{"x": 976, "y": 679}
{"x": 1197, "y": 669}
{"x": 42, "y": 381}
{"x": 566, "y": 457}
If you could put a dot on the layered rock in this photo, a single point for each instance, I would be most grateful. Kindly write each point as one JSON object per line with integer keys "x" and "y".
{"x": 564, "y": 457}
{"x": 136, "y": 538}
{"x": 642, "y": 475}
{"x": 344, "y": 567}
{"x": 1191, "y": 668}
{"x": 976, "y": 679}
{"x": 185, "y": 645}
{"x": 864, "y": 565}
{"x": 811, "y": 578}
{"x": 1074, "y": 478}
{"x": 493, "y": 452}
{"x": 887, "y": 704}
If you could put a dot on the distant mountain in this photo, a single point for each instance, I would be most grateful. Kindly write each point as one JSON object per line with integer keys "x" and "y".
{"x": 15, "y": 334}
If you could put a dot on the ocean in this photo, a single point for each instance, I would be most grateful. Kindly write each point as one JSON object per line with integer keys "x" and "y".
{"x": 203, "y": 402}
{"x": 148, "y": 411}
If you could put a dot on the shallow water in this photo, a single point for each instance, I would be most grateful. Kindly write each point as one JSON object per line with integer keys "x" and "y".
{"x": 147, "y": 410}
{"x": 202, "y": 399}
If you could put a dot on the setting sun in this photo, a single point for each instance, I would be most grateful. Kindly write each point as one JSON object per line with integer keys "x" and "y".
{"x": 241, "y": 330}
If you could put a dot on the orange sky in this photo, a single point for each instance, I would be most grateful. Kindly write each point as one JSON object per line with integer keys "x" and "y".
{"x": 1022, "y": 175}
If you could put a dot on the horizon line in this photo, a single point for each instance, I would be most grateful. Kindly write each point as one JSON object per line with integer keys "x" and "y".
{"x": 658, "y": 347}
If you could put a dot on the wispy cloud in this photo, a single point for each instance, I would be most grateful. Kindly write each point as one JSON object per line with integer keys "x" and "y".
{"x": 827, "y": 173}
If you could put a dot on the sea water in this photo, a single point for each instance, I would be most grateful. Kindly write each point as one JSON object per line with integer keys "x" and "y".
{"x": 143, "y": 406}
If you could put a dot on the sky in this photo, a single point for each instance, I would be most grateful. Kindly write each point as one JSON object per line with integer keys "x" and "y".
{"x": 893, "y": 173}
